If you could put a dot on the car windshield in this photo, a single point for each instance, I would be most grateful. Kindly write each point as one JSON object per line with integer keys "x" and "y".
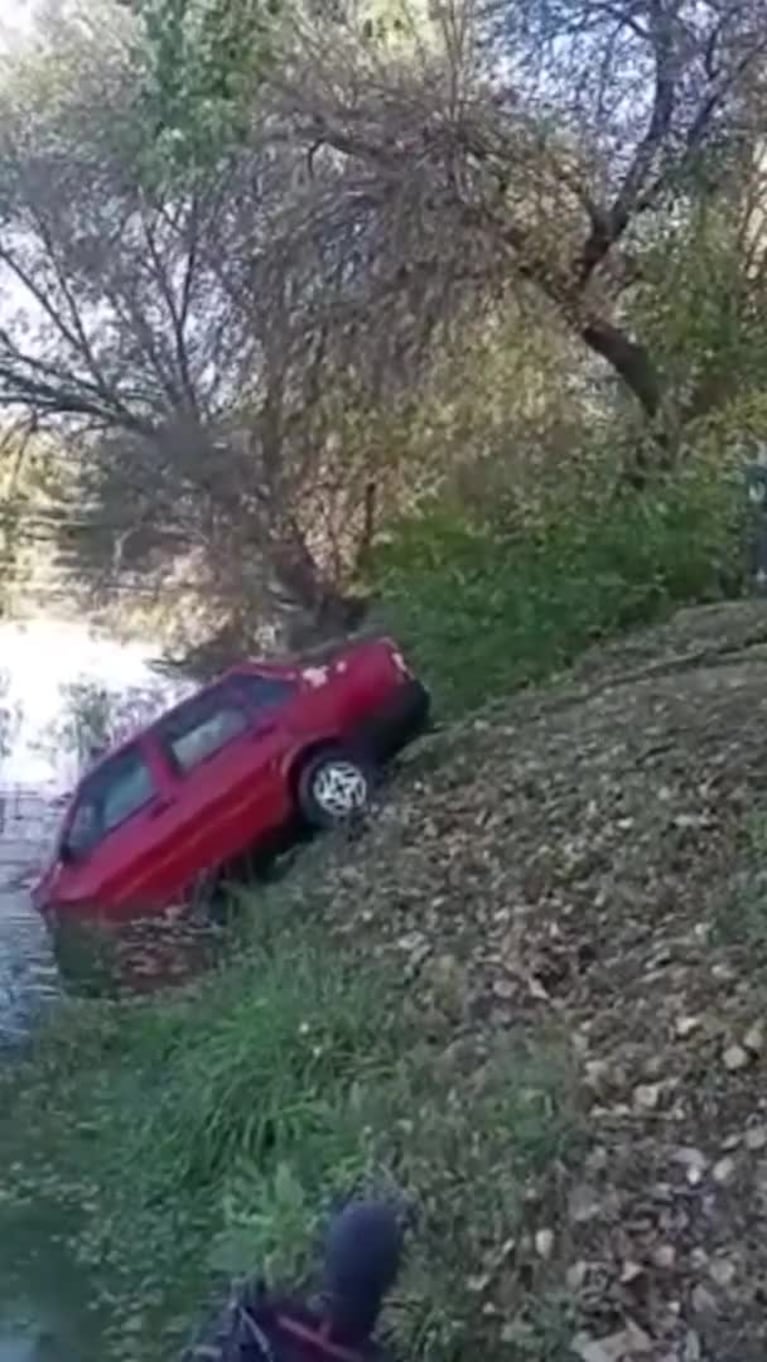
{"x": 114, "y": 792}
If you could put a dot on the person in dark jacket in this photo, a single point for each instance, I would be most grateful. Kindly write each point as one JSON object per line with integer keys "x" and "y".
{"x": 362, "y": 1259}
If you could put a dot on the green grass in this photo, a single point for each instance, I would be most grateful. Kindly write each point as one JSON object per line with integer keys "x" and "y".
{"x": 741, "y": 918}
{"x": 489, "y": 606}
{"x": 209, "y": 1134}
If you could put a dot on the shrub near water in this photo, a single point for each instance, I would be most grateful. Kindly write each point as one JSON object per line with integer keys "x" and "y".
{"x": 212, "y": 1133}
{"x": 487, "y": 606}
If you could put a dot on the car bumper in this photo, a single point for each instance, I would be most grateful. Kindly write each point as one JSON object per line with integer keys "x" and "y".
{"x": 396, "y": 723}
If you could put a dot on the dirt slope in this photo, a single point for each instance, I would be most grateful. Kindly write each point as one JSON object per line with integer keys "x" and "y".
{"x": 589, "y": 858}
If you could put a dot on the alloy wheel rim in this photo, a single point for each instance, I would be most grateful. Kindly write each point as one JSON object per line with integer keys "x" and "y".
{"x": 340, "y": 789}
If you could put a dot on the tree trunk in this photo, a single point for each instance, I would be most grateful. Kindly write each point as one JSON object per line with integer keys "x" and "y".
{"x": 631, "y": 362}
{"x": 317, "y": 611}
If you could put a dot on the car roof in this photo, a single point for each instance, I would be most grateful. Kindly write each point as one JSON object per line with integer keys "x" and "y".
{"x": 248, "y": 665}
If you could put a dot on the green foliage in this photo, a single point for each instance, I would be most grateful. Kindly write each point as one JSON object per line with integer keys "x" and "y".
{"x": 202, "y": 57}
{"x": 741, "y": 918}
{"x": 213, "y": 1132}
{"x": 700, "y": 300}
{"x": 489, "y": 605}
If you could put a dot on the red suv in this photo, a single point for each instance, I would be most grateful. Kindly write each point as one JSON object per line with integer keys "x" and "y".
{"x": 259, "y": 751}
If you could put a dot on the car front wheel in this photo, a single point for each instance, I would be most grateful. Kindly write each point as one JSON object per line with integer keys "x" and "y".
{"x": 334, "y": 787}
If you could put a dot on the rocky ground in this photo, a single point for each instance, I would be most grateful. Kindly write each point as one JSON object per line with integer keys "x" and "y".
{"x": 588, "y": 860}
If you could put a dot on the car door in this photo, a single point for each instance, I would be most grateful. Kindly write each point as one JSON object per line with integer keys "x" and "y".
{"x": 112, "y": 840}
{"x": 222, "y": 751}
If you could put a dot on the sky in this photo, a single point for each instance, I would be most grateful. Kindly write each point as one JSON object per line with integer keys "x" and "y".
{"x": 16, "y": 19}
{"x": 17, "y": 13}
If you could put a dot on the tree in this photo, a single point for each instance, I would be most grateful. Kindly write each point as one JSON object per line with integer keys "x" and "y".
{"x": 699, "y": 301}
{"x": 201, "y": 56}
{"x": 168, "y": 318}
{"x": 534, "y": 146}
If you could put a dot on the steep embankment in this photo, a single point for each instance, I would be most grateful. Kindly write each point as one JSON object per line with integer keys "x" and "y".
{"x": 591, "y": 859}
{"x": 533, "y": 992}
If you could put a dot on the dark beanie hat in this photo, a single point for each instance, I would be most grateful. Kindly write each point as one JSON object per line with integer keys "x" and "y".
{"x": 364, "y": 1248}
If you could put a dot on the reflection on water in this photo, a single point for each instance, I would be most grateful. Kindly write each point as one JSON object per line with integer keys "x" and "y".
{"x": 66, "y": 694}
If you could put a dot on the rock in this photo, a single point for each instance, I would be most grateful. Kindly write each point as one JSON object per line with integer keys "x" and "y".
{"x": 591, "y": 1349}
{"x": 691, "y": 1350}
{"x": 703, "y": 1302}
{"x": 684, "y": 1026}
{"x": 722, "y": 1271}
{"x": 630, "y": 1272}
{"x": 629, "y": 1342}
{"x": 755, "y": 1138}
{"x": 537, "y": 989}
{"x": 754, "y": 1038}
{"x": 598, "y": 1159}
{"x": 664, "y": 1256}
{"x": 760, "y": 1179}
{"x": 646, "y": 1096}
{"x": 476, "y": 1285}
{"x": 544, "y": 1243}
{"x": 735, "y": 1058}
{"x": 583, "y": 1204}
{"x": 694, "y": 1162}
{"x": 597, "y": 1072}
{"x": 518, "y": 1333}
{"x": 576, "y": 1275}
{"x": 724, "y": 1170}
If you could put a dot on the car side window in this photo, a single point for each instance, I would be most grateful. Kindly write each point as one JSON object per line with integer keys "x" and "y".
{"x": 111, "y": 795}
{"x": 202, "y": 726}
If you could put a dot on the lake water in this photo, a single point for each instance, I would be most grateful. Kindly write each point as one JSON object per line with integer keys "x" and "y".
{"x": 63, "y": 691}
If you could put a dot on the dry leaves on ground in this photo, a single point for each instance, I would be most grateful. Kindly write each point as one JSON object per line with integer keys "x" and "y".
{"x": 582, "y": 859}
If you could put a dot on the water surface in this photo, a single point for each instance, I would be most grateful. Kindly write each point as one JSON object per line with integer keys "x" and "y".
{"x": 64, "y": 691}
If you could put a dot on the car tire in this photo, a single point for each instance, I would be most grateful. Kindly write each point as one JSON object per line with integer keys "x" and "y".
{"x": 335, "y": 788}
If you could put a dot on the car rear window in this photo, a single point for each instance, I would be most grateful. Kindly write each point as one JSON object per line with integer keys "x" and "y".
{"x": 262, "y": 692}
{"x": 205, "y": 724}
{"x": 114, "y": 792}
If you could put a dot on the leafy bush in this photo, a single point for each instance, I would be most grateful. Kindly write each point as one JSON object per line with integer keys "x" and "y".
{"x": 486, "y": 606}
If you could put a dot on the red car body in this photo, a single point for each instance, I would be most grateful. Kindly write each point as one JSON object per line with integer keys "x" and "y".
{"x": 218, "y": 776}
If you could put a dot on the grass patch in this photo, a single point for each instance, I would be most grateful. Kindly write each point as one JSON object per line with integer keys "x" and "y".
{"x": 209, "y": 1134}
{"x": 491, "y": 604}
{"x": 741, "y": 917}
{"x": 742, "y": 920}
